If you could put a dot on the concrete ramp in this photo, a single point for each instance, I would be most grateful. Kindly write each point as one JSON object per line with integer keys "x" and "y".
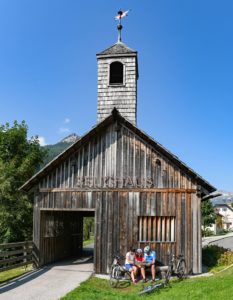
{"x": 48, "y": 283}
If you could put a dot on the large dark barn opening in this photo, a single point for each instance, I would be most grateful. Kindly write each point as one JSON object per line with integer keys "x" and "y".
{"x": 64, "y": 233}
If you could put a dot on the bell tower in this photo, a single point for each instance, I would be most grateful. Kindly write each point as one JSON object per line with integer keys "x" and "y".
{"x": 117, "y": 80}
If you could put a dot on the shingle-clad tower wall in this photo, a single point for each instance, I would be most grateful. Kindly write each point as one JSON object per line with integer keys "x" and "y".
{"x": 117, "y": 82}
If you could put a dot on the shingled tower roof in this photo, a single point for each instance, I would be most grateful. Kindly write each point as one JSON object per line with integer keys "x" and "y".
{"x": 117, "y": 49}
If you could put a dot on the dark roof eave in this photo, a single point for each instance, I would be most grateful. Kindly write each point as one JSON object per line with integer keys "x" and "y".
{"x": 116, "y": 55}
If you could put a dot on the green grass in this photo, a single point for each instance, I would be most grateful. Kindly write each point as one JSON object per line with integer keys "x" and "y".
{"x": 10, "y": 274}
{"x": 88, "y": 242}
{"x": 216, "y": 269}
{"x": 219, "y": 286}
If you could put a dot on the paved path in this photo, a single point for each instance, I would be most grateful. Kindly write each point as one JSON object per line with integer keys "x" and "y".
{"x": 212, "y": 239}
{"x": 48, "y": 283}
{"x": 225, "y": 243}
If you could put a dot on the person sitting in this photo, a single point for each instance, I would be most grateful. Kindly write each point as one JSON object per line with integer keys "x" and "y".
{"x": 139, "y": 262}
{"x": 150, "y": 257}
{"x": 129, "y": 263}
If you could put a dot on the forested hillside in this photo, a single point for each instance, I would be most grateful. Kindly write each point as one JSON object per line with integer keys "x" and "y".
{"x": 54, "y": 150}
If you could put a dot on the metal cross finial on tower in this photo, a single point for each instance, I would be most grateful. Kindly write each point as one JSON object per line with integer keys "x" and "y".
{"x": 121, "y": 14}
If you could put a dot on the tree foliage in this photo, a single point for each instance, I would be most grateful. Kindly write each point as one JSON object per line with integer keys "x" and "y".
{"x": 19, "y": 160}
{"x": 219, "y": 222}
{"x": 88, "y": 227}
{"x": 207, "y": 213}
{"x": 53, "y": 151}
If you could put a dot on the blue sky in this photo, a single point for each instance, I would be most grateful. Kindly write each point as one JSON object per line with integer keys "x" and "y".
{"x": 48, "y": 72}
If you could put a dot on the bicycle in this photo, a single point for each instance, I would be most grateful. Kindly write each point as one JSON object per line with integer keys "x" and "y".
{"x": 177, "y": 266}
{"x": 118, "y": 272}
{"x": 148, "y": 289}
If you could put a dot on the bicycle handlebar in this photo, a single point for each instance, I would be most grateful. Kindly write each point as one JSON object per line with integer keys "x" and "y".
{"x": 118, "y": 256}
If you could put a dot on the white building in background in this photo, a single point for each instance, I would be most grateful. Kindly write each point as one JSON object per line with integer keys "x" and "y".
{"x": 218, "y": 226}
{"x": 227, "y": 214}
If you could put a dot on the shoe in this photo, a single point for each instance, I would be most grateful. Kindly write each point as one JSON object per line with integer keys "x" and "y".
{"x": 152, "y": 280}
{"x": 144, "y": 280}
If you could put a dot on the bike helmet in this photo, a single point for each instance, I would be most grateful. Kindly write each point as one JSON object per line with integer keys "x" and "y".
{"x": 146, "y": 249}
{"x": 139, "y": 251}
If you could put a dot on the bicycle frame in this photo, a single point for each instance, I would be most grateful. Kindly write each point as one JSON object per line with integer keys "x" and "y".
{"x": 177, "y": 266}
{"x": 118, "y": 272}
{"x": 150, "y": 288}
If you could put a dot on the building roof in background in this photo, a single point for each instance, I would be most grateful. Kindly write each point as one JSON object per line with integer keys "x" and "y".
{"x": 223, "y": 205}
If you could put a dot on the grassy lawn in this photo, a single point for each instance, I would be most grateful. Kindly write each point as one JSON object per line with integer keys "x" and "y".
{"x": 219, "y": 286}
{"x": 88, "y": 242}
{"x": 10, "y": 274}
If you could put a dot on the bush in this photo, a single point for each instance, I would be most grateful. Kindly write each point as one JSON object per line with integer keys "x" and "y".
{"x": 223, "y": 231}
{"x": 226, "y": 258}
{"x": 211, "y": 254}
{"x": 207, "y": 232}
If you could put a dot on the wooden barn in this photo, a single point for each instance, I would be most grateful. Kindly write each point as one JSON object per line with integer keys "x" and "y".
{"x": 137, "y": 191}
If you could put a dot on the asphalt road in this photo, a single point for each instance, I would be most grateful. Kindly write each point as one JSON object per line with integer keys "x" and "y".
{"x": 226, "y": 243}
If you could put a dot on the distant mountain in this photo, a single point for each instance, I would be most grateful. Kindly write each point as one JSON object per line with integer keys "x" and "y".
{"x": 70, "y": 139}
{"x": 54, "y": 150}
{"x": 225, "y": 198}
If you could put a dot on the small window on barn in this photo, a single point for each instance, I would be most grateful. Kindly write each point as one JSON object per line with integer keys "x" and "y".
{"x": 158, "y": 180}
{"x": 156, "y": 229}
{"x": 116, "y": 73}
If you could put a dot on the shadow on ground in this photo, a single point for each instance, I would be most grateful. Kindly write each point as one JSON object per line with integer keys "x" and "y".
{"x": 87, "y": 256}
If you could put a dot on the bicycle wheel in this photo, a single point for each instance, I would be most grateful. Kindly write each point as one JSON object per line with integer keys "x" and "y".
{"x": 168, "y": 275}
{"x": 181, "y": 269}
{"x": 148, "y": 289}
{"x": 114, "y": 276}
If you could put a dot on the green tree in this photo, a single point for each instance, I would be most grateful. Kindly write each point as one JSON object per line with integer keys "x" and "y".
{"x": 219, "y": 222}
{"x": 19, "y": 160}
{"x": 207, "y": 213}
{"x": 88, "y": 227}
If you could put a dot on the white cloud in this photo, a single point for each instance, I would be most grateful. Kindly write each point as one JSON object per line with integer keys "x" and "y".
{"x": 41, "y": 140}
{"x": 63, "y": 130}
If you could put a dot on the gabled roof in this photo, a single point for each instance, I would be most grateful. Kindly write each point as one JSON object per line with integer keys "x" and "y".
{"x": 223, "y": 205}
{"x": 116, "y": 116}
{"x": 117, "y": 49}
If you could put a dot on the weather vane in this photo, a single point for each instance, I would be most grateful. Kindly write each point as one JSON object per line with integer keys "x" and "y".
{"x": 121, "y": 14}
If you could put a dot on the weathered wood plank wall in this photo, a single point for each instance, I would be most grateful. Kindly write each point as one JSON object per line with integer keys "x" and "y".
{"x": 118, "y": 154}
{"x": 120, "y": 177}
{"x": 117, "y": 223}
{"x": 124, "y": 97}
